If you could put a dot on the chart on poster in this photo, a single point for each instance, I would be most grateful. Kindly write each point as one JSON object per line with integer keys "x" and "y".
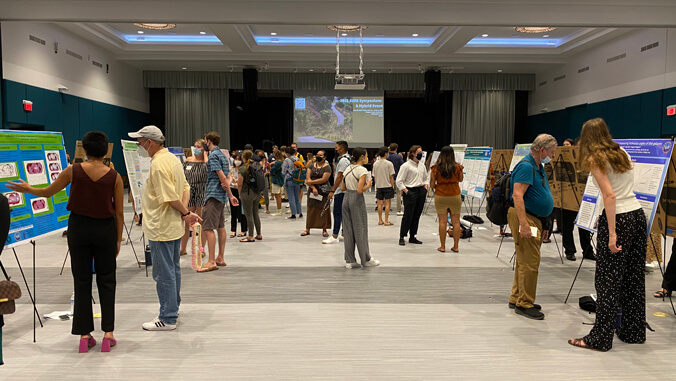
{"x": 138, "y": 168}
{"x": 651, "y": 159}
{"x": 37, "y": 157}
{"x": 476, "y": 166}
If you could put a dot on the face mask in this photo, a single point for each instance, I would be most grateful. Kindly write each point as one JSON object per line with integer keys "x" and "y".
{"x": 196, "y": 151}
{"x": 319, "y": 159}
{"x": 238, "y": 163}
{"x": 419, "y": 156}
{"x": 142, "y": 151}
{"x": 546, "y": 160}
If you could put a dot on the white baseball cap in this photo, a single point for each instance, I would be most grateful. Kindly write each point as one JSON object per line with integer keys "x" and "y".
{"x": 148, "y": 132}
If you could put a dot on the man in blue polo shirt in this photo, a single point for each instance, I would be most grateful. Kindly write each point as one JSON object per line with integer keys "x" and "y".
{"x": 532, "y": 201}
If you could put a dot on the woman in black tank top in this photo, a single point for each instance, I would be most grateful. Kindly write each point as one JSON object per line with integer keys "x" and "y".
{"x": 94, "y": 234}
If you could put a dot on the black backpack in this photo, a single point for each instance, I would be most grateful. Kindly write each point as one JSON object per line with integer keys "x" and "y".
{"x": 256, "y": 178}
{"x": 499, "y": 200}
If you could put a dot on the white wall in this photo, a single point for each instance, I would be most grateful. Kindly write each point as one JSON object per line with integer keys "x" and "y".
{"x": 37, "y": 65}
{"x": 638, "y": 72}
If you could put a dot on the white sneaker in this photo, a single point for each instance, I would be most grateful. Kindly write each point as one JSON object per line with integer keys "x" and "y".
{"x": 286, "y": 205}
{"x": 158, "y": 325}
{"x": 650, "y": 267}
{"x": 400, "y": 213}
{"x": 330, "y": 240}
{"x": 342, "y": 237}
{"x": 288, "y": 211}
{"x": 373, "y": 262}
{"x": 352, "y": 265}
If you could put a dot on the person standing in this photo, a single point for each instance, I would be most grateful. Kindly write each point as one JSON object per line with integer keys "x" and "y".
{"x": 236, "y": 212}
{"x": 291, "y": 186}
{"x": 266, "y": 172}
{"x": 217, "y": 193}
{"x": 531, "y": 201}
{"x": 165, "y": 208}
{"x": 413, "y": 181}
{"x": 277, "y": 179}
{"x": 669, "y": 280}
{"x": 318, "y": 216}
{"x": 397, "y": 161}
{"x": 622, "y": 233}
{"x": 342, "y": 162}
{"x": 445, "y": 179}
{"x": 383, "y": 173}
{"x": 302, "y": 161}
{"x": 355, "y": 221}
{"x": 195, "y": 168}
{"x": 94, "y": 234}
{"x": 250, "y": 198}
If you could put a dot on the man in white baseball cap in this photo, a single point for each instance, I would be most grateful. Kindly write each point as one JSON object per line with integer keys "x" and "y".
{"x": 165, "y": 208}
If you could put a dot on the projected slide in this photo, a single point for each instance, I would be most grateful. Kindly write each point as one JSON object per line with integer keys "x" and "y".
{"x": 321, "y": 119}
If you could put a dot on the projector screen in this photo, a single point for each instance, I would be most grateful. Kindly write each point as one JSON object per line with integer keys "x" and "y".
{"x": 320, "y": 119}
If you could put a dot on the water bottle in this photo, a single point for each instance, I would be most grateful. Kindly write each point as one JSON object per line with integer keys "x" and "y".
{"x": 72, "y": 303}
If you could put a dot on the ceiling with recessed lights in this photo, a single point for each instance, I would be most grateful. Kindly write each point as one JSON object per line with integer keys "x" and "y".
{"x": 292, "y": 35}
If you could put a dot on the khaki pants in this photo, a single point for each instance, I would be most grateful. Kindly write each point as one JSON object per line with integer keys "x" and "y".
{"x": 398, "y": 193}
{"x": 527, "y": 261}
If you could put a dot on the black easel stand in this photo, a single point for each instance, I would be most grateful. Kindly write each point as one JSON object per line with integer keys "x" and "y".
{"x": 30, "y": 294}
{"x": 578, "y": 271}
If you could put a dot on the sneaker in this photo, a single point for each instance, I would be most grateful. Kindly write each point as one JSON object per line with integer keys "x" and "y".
{"x": 400, "y": 213}
{"x": 288, "y": 211}
{"x": 286, "y": 205}
{"x": 372, "y": 263}
{"x": 531, "y": 313}
{"x": 158, "y": 325}
{"x": 341, "y": 238}
{"x": 279, "y": 212}
{"x": 414, "y": 240}
{"x": 300, "y": 215}
{"x": 650, "y": 267}
{"x": 352, "y": 265}
{"x": 330, "y": 240}
{"x": 402, "y": 242}
{"x": 536, "y": 306}
{"x": 293, "y": 217}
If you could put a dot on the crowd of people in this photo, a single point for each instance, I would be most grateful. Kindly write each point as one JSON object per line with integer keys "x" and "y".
{"x": 178, "y": 196}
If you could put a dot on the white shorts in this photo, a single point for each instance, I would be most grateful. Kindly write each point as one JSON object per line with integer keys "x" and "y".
{"x": 276, "y": 189}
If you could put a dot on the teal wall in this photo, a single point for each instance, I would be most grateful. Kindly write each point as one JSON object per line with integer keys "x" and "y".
{"x": 71, "y": 115}
{"x": 637, "y": 116}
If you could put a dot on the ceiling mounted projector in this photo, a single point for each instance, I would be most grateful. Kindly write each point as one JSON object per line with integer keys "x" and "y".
{"x": 350, "y": 82}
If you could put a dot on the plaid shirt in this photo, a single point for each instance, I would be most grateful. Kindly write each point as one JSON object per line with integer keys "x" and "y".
{"x": 217, "y": 162}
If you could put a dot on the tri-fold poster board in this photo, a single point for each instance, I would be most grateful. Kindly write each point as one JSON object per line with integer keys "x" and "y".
{"x": 37, "y": 157}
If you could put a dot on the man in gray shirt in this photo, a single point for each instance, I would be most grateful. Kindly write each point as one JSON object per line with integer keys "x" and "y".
{"x": 342, "y": 163}
{"x": 383, "y": 172}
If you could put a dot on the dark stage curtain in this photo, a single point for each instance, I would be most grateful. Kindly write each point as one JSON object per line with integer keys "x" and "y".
{"x": 269, "y": 118}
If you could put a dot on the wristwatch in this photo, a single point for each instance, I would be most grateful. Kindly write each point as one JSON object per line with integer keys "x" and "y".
{"x": 184, "y": 215}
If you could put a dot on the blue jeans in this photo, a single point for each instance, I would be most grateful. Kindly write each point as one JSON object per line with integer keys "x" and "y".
{"x": 337, "y": 213}
{"x": 292, "y": 190}
{"x": 167, "y": 274}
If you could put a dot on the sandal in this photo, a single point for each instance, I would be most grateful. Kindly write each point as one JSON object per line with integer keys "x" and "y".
{"x": 247, "y": 240}
{"x": 232, "y": 235}
{"x": 441, "y": 250}
{"x": 241, "y": 235}
{"x": 325, "y": 234}
{"x": 260, "y": 237}
{"x": 207, "y": 269}
{"x": 388, "y": 223}
{"x": 662, "y": 293}
{"x": 381, "y": 223}
{"x": 455, "y": 250}
{"x": 303, "y": 234}
{"x": 578, "y": 343}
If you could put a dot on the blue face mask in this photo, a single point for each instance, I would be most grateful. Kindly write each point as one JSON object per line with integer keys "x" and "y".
{"x": 546, "y": 160}
{"x": 196, "y": 151}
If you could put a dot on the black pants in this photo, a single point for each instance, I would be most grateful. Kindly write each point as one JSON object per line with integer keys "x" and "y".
{"x": 92, "y": 239}
{"x": 567, "y": 227}
{"x": 414, "y": 202}
{"x": 236, "y": 213}
{"x": 669, "y": 282}
{"x": 620, "y": 282}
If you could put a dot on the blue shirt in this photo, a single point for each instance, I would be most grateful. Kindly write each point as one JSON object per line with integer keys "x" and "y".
{"x": 217, "y": 162}
{"x": 397, "y": 161}
{"x": 538, "y": 198}
{"x": 287, "y": 167}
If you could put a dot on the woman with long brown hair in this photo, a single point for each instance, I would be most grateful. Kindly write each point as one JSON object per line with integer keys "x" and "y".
{"x": 622, "y": 232}
{"x": 250, "y": 198}
{"x": 445, "y": 178}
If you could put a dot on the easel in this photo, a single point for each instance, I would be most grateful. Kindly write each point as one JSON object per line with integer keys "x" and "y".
{"x": 664, "y": 255}
{"x": 36, "y": 314}
{"x": 578, "y": 270}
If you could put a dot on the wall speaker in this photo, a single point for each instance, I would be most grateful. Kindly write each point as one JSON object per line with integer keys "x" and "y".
{"x": 250, "y": 81}
{"x": 432, "y": 85}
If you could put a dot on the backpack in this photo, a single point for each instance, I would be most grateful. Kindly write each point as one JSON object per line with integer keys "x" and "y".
{"x": 299, "y": 173}
{"x": 499, "y": 200}
{"x": 256, "y": 178}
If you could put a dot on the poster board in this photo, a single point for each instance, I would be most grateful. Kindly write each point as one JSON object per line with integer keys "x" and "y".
{"x": 187, "y": 152}
{"x": 500, "y": 161}
{"x": 80, "y": 153}
{"x": 37, "y": 157}
{"x": 651, "y": 158}
{"x": 178, "y": 152}
{"x": 477, "y": 163}
{"x": 665, "y": 217}
{"x": 138, "y": 169}
{"x": 520, "y": 151}
{"x": 459, "y": 150}
{"x": 566, "y": 179}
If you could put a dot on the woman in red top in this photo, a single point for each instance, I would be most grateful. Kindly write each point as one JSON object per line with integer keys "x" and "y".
{"x": 445, "y": 180}
{"x": 94, "y": 233}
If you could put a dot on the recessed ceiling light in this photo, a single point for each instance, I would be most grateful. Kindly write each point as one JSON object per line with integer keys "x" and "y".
{"x": 415, "y": 35}
{"x": 484, "y": 35}
{"x": 499, "y": 70}
{"x": 373, "y": 70}
{"x": 155, "y": 26}
{"x": 203, "y": 32}
{"x": 312, "y": 69}
{"x": 545, "y": 36}
{"x": 343, "y": 34}
{"x": 273, "y": 34}
{"x": 184, "y": 68}
{"x": 140, "y": 32}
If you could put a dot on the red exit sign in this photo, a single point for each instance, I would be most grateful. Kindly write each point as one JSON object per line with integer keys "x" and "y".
{"x": 671, "y": 110}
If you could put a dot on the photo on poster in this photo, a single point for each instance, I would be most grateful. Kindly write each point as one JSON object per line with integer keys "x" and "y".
{"x": 53, "y": 156}
{"x": 54, "y": 175}
{"x": 54, "y": 167}
{"x": 39, "y": 205}
{"x": 36, "y": 173}
{"x": 8, "y": 171}
{"x": 15, "y": 199}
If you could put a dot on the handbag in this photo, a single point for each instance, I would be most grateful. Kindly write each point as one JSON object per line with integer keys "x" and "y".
{"x": 9, "y": 291}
